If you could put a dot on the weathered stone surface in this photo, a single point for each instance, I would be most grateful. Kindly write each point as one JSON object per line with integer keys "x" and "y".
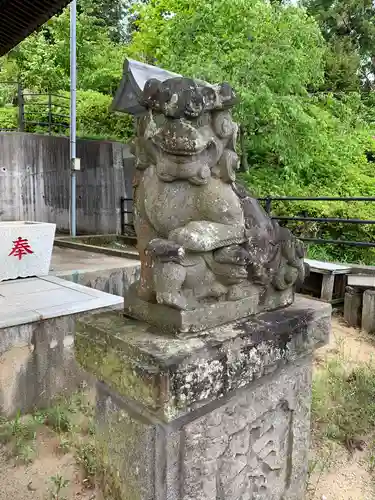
{"x": 172, "y": 320}
{"x": 251, "y": 445}
{"x": 36, "y": 364}
{"x": 115, "y": 281}
{"x": 202, "y": 238}
{"x": 255, "y": 446}
{"x": 353, "y": 306}
{"x": 172, "y": 376}
{"x": 125, "y": 444}
{"x": 208, "y": 397}
{"x": 368, "y": 311}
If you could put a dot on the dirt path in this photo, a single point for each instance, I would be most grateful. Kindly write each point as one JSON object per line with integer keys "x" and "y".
{"x": 34, "y": 481}
{"x": 336, "y": 473}
{"x": 354, "y": 345}
{"x": 52, "y": 472}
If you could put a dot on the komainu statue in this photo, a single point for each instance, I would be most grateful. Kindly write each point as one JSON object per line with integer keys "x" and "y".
{"x": 205, "y": 244}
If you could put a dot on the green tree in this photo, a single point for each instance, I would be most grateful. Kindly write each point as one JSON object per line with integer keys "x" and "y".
{"x": 270, "y": 55}
{"x": 299, "y": 141}
{"x": 42, "y": 61}
{"x": 110, "y": 14}
{"x": 349, "y": 27}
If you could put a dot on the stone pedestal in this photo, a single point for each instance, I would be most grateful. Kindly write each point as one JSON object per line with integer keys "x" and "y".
{"x": 222, "y": 415}
{"x": 353, "y": 306}
{"x": 368, "y": 311}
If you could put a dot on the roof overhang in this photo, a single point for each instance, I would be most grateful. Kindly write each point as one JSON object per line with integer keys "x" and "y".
{"x": 19, "y": 18}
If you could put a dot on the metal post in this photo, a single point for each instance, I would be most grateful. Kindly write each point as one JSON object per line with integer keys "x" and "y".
{"x": 122, "y": 215}
{"x": 21, "y": 109}
{"x": 268, "y": 206}
{"x": 73, "y": 105}
{"x": 49, "y": 114}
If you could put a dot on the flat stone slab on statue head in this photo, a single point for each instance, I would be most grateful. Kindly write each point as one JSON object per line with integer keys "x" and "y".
{"x": 128, "y": 96}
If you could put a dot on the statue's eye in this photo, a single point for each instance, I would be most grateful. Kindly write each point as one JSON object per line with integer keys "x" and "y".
{"x": 166, "y": 95}
{"x": 194, "y": 108}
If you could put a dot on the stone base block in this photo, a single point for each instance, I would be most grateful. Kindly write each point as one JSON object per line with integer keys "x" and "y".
{"x": 208, "y": 316}
{"x": 353, "y": 306}
{"x": 225, "y": 415}
{"x": 36, "y": 364}
{"x": 368, "y": 311}
{"x": 252, "y": 445}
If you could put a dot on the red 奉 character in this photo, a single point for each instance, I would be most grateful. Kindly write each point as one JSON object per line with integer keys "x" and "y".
{"x": 20, "y": 248}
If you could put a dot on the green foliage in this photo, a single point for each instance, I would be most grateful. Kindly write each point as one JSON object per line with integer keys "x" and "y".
{"x": 342, "y": 72}
{"x": 95, "y": 120}
{"x": 8, "y": 118}
{"x": 19, "y": 437}
{"x": 368, "y": 110}
{"x": 110, "y": 14}
{"x": 8, "y": 93}
{"x": 42, "y": 64}
{"x": 42, "y": 60}
{"x": 299, "y": 141}
{"x": 349, "y": 24}
{"x": 58, "y": 418}
{"x": 86, "y": 457}
{"x": 269, "y": 55}
{"x": 58, "y": 484}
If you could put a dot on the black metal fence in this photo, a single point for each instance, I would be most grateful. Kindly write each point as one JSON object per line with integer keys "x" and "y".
{"x": 304, "y": 217}
{"x": 44, "y": 112}
{"x": 126, "y": 210}
{"x": 269, "y": 205}
{"x": 36, "y": 112}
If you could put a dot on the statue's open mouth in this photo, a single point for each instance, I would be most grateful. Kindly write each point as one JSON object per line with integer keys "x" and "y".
{"x": 181, "y": 152}
{"x": 187, "y": 155}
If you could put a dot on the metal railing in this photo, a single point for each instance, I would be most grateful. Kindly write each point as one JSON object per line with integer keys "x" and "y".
{"x": 304, "y": 217}
{"x": 31, "y": 105}
{"x": 39, "y": 111}
{"x": 125, "y": 210}
{"x": 268, "y": 202}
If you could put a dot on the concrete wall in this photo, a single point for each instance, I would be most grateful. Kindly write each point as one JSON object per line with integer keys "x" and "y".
{"x": 35, "y": 181}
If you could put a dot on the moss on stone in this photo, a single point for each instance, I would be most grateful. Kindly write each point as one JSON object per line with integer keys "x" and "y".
{"x": 120, "y": 447}
{"x": 111, "y": 366}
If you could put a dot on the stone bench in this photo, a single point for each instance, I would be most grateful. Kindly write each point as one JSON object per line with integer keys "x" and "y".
{"x": 359, "y": 306}
{"x": 327, "y": 280}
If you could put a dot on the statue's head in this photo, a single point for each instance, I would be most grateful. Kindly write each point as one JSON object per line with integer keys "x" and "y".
{"x": 187, "y": 128}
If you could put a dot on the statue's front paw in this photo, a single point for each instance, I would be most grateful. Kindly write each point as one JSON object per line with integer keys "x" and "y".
{"x": 234, "y": 254}
{"x": 165, "y": 250}
{"x": 179, "y": 236}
